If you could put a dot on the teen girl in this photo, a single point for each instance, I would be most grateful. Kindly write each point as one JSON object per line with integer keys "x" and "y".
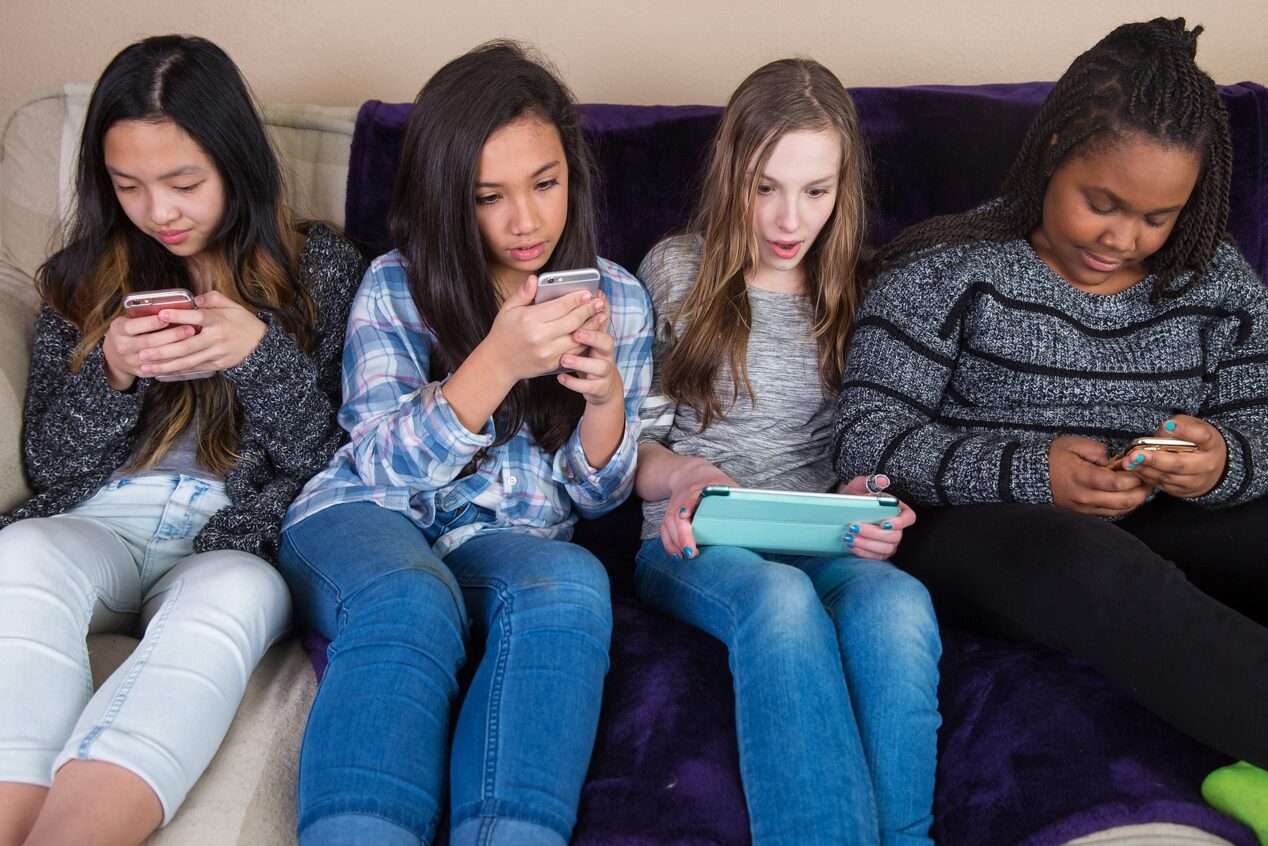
{"x": 1005, "y": 354}
{"x": 158, "y": 504}
{"x": 834, "y": 659}
{"x": 468, "y": 466}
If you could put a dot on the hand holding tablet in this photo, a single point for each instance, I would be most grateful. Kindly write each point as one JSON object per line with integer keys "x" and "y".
{"x": 785, "y": 521}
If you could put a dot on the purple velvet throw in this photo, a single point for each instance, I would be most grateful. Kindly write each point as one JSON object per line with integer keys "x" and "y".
{"x": 1036, "y": 748}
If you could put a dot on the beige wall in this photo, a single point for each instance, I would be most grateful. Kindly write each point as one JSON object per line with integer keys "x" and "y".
{"x": 341, "y": 52}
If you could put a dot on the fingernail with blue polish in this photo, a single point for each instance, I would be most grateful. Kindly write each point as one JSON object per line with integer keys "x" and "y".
{"x": 688, "y": 551}
{"x": 849, "y": 538}
{"x": 887, "y": 525}
{"x": 682, "y": 512}
{"x": 1140, "y": 456}
{"x": 854, "y": 527}
{"x": 1170, "y": 426}
{"x": 677, "y": 557}
{"x": 1157, "y": 490}
{"x": 1149, "y": 498}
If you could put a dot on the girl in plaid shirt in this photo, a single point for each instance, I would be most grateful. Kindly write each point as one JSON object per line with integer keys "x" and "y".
{"x": 447, "y": 515}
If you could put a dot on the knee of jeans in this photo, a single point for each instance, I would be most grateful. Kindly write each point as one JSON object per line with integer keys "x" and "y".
{"x": 575, "y": 588}
{"x": 236, "y": 579}
{"x": 405, "y": 605}
{"x": 895, "y": 605}
{"x": 777, "y": 605}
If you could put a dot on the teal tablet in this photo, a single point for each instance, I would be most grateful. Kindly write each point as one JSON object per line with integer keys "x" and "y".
{"x": 784, "y": 521}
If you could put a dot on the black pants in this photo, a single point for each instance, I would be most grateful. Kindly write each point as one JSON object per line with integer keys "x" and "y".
{"x": 1170, "y": 603}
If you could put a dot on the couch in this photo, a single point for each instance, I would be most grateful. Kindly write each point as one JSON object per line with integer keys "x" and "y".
{"x": 1035, "y": 748}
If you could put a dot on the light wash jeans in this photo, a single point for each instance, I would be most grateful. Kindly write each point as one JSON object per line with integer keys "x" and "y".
{"x": 372, "y": 769}
{"x": 835, "y": 667}
{"x": 123, "y": 561}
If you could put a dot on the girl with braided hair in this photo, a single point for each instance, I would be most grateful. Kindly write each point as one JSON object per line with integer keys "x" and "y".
{"x": 1003, "y": 355}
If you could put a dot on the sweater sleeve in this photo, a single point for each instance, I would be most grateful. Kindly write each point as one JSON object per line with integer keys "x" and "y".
{"x": 1237, "y": 401}
{"x": 289, "y": 398}
{"x": 74, "y": 422}
{"x": 905, "y": 348}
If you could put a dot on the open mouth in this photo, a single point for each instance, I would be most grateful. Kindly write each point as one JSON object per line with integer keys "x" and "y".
{"x": 785, "y": 249}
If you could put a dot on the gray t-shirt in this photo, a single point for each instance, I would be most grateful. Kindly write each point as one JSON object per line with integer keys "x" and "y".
{"x": 779, "y": 438}
{"x": 181, "y": 457}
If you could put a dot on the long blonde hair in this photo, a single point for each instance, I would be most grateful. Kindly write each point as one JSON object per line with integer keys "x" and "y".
{"x": 785, "y": 96}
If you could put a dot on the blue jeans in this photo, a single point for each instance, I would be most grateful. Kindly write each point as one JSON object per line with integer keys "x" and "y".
{"x": 835, "y": 667}
{"x": 375, "y": 752}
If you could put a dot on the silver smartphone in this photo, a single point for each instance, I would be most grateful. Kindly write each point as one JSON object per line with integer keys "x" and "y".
{"x": 556, "y": 283}
{"x": 147, "y": 303}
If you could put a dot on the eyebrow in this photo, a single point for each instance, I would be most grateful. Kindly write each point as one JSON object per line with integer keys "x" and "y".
{"x": 1117, "y": 200}
{"x": 534, "y": 175}
{"x": 184, "y": 170}
{"x": 828, "y": 178}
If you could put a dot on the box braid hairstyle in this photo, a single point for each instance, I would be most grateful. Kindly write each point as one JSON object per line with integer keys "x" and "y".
{"x": 1140, "y": 80}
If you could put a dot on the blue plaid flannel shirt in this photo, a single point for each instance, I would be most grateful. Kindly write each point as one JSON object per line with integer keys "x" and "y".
{"x": 407, "y": 447}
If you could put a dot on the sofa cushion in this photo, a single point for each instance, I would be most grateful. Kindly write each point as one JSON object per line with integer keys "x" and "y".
{"x": 247, "y": 795}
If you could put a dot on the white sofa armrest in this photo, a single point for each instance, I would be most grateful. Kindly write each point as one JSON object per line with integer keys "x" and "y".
{"x": 18, "y": 306}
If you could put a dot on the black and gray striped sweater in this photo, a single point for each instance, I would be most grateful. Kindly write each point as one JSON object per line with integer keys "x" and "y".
{"x": 965, "y": 365}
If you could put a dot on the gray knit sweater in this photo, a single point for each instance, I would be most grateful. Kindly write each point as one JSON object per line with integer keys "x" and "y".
{"x": 77, "y": 429}
{"x": 965, "y": 365}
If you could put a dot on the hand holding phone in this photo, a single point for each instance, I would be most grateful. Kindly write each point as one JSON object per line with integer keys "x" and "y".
{"x": 1139, "y": 446}
{"x": 149, "y": 304}
{"x": 532, "y": 331}
{"x": 1188, "y": 459}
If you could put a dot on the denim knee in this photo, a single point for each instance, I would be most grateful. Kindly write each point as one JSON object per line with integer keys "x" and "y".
{"x": 777, "y": 606}
{"x": 409, "y": 607}
{"x": 572, "y": 594}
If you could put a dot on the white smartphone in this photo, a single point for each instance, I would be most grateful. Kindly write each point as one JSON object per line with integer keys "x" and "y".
{"x": 556, "y": 283}
{"x": 147, "y": 303}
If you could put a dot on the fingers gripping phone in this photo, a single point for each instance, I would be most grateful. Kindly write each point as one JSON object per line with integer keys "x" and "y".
{"x": 149, "y": 303}
{"x": 558, "y": 283}
{"x": 1151, "y": 445}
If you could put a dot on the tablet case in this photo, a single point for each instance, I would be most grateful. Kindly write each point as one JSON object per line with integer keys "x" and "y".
{"x": 784, "y": 521}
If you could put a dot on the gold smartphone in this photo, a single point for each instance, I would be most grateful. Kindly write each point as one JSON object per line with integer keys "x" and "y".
{"x": 1151, "y": 445}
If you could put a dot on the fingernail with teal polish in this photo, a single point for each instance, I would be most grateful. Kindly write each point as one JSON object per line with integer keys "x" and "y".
{"x": 688, "y": 551}
{"x": 854, "y": 527}
{"x": 1149, "y": 498}
{"x": 887, "y": 525}
{"x": 677, "y": 557}
{"x": 682, "y": 512}
{"x": 849, "y": 538}
{"x": 1157, "y": 491}
{"x": 1170, "y": 426}
{"x": 1140, "y": 456}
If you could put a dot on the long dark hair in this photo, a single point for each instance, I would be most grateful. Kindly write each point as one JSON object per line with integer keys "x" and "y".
{"x": 193, "y": 84}
{"x": 1141, "y": 79}
{"x": 432, "y": 219}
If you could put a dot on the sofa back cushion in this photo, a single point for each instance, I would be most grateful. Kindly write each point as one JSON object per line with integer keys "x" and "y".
{"x": 934, "y": 150}
{"x": 41, "y": 144}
